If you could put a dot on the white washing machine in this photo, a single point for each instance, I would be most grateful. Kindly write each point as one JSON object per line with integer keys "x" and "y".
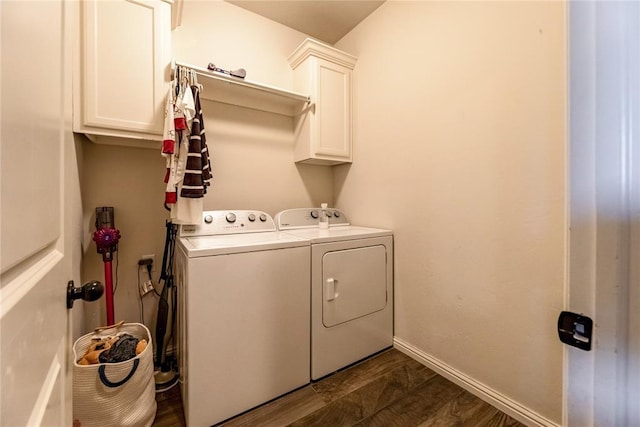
{"x": 351, "y": 287}
{"x": 243, "y": 314}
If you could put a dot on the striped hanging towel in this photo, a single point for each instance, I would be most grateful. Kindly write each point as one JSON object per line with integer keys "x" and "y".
{"x": 197, "y": 173}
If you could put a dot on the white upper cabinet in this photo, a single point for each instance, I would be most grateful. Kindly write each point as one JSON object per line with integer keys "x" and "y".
{"x": 124, "y": 64}
{"x": 323, "y": 131}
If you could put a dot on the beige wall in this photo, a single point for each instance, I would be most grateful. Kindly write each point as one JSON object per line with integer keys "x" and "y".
{"x": 130, "y": 180}
{"x": 252, "y": 152}
{"x": 459, "y": 147}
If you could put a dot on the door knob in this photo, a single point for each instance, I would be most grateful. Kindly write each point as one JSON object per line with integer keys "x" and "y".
{"x": 90, "y": 291}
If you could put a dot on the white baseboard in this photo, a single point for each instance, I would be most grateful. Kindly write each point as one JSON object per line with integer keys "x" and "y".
{"x": 494, "y": 398}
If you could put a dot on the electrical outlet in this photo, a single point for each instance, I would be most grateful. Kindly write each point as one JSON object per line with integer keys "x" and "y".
{"x": 152, "y": 257}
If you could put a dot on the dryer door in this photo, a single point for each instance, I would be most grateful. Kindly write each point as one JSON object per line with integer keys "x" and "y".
{"x": 354, "y": 283}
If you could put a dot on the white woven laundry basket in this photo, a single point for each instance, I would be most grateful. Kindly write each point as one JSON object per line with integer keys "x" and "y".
{"x": 114, "y": 394}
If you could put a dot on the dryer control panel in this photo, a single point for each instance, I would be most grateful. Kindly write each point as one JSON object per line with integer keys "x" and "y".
{"x": 229, "y": 222}
{"x": 291, "y": 219}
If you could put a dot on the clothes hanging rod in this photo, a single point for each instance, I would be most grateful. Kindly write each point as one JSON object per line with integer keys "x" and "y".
{"x": 241, "y": 82}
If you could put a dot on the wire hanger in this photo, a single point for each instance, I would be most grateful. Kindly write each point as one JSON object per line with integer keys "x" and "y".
{"x": 184, "y": 77}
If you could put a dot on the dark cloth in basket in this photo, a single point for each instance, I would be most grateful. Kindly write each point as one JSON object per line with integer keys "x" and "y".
{"x": 121, "y": 350}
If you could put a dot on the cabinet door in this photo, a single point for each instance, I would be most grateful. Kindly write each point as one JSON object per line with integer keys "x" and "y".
{"x": 125, "y": 60}
{"x": 333, "y": 110}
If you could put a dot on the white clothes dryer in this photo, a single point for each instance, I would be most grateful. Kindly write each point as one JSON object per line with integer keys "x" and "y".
{"x": 243, "y": 314}
{"x": 351, "y": 287}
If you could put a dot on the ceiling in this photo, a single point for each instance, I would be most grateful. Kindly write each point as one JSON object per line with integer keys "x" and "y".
{"x": 325, "y": 20}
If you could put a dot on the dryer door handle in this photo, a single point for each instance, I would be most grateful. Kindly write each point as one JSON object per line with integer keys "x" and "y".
{"x": 331, "y": 289}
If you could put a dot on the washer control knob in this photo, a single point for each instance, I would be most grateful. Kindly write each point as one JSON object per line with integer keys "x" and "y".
{"x": 252, "y": 217}
{"x": 263, "y": 217}
{"x": 208, "y": 219}
{"x": 336, "y": 214}
{"x": 314, "y": 214}
{"x": 328, "y": 213}
{"x": 231, "y": 217}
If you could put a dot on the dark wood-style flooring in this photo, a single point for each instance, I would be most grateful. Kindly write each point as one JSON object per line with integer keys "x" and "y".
{"x": 390, "y": 389}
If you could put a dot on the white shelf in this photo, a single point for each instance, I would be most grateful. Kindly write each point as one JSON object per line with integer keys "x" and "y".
{"x": 220, "y": 87}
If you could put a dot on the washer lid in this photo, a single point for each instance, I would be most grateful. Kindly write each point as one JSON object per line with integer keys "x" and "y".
{"x": 337, "y": 234}
{"x": 200, "y": 246}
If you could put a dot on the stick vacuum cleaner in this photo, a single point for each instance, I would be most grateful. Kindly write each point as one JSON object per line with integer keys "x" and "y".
{"x": 106, "y": 237}
{"x": 166, "y": 377}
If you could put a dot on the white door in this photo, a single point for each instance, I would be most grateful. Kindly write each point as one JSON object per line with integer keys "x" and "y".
{"x": 35, "y": 232}
{"x": 355, "y": 283}
{"x": 602, "y": 385}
